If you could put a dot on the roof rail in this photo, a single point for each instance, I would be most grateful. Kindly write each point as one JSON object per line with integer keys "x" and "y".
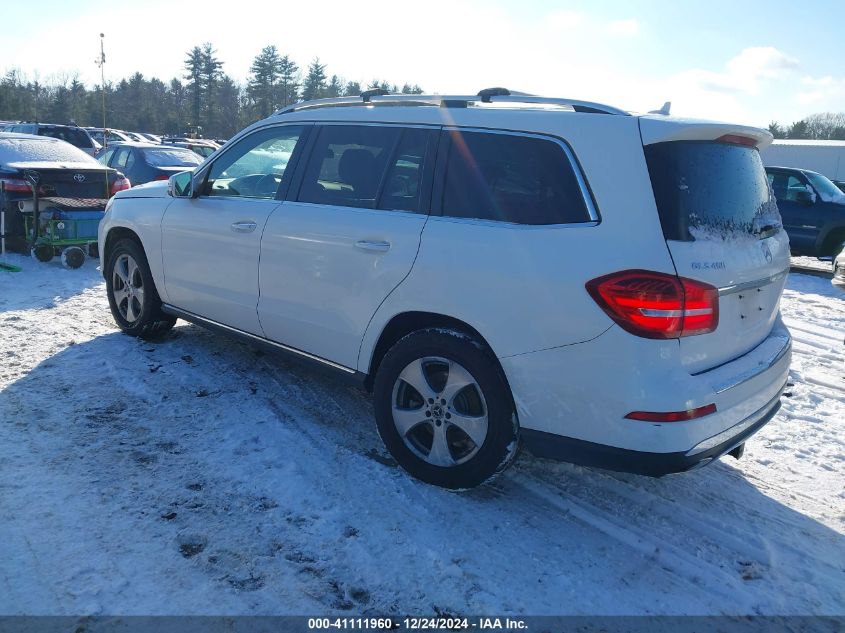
{"x": 489, "y": 95}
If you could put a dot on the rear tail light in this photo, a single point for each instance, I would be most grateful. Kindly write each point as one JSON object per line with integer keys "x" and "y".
{"x": 162, "y": 177}
{"x": 672, "y": 416}
{"x": 120, "y": 183}
{"x": 657, "y": 305}
{"x": 16, "y": 185}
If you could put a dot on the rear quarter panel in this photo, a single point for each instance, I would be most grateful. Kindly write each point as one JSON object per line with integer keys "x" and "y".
{"x": 522, "y": 287}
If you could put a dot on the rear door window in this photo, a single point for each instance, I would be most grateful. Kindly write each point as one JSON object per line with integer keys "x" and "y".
{"x": 710, "y": 190}
{"x": 404, "y": 185}
{"x": 511, "y": 178}
{"x": 105, "y": 157}
{"x": 786, "y": 187}
{"x": 348, "y": 165}
{"x": 124, "y": 159}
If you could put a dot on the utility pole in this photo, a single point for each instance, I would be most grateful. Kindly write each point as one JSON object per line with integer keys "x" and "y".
{"x": 101, "y": 62}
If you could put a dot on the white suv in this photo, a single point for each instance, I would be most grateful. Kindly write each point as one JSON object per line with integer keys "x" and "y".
{"x": 601, "y": 286}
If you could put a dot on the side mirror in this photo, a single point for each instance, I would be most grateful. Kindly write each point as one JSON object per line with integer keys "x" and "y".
{"x": 181, "y": 185}
{"x": 805, "y": 196}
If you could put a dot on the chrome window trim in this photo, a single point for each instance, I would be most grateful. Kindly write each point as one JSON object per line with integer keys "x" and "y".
{"x": 586, "y": 194}
{"x": 513, "y": 225}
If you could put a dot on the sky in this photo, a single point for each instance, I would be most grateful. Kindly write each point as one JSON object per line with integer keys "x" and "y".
{"x": 746, "y": 61}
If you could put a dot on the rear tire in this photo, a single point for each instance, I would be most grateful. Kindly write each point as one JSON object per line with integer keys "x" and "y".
{"x": 832, "y": 245}
{"x": 133, "y": 299}
{"x": 444, "y": 409}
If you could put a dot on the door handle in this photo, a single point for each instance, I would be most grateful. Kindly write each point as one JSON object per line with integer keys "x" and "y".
{"x": 243, "y": 227}
{"x": 374, "y": 246}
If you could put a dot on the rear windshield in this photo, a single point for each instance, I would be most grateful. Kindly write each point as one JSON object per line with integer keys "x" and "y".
{"x": 74, "y": 136}
{"x": 711, "y": 190}
{"x": 171, "y": 157}
{"x": 16, "y": 150}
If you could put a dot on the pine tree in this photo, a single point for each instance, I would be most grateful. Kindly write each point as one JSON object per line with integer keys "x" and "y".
{"x": 798, "y": 130}
{"x": 314, "y": 86}
{"x": 194, "y": 86}
{"x": 263, "y": 88}
{"x": 335, "y": 87}
{"x": 211, "y": 74}
{"x": 352, "y": 89}
{"x": 288, "y": 81}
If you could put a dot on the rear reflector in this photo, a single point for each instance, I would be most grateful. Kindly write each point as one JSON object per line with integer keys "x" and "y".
{"x": 657, "y": 305}
{"x": 672, "y": 416}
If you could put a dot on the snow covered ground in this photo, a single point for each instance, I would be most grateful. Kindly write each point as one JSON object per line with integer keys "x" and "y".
{"x": 825, "y": 265}
{"x": 198, "y": 476}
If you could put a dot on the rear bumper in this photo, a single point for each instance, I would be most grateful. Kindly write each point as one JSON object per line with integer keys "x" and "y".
{"x": 572, "y": 401}
{"x": 586, "y": 453}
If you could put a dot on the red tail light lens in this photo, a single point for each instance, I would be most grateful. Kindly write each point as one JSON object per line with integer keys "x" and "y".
{"x": 657, "y": 305}
{"x": 672, "y": 416}
{"x": 16, "y": 185}
{"x": 121, "y": 183}
{"x": 162, "y": 177}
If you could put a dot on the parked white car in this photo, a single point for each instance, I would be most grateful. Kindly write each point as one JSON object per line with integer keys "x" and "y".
{"x": 602, "y": 287}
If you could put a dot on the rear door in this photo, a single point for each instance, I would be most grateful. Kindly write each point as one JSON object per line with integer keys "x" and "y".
{"x": 722, "y": 227}
{"x": 347, "y": 237}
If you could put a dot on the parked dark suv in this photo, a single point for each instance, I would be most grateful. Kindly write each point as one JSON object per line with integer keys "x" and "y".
{"x": 72, "y": 134}
{"x": 812, "y": 209}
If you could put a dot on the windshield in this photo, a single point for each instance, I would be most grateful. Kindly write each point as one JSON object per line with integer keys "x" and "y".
{"x": 827, "y": 190}
{"x": 710, "y": 190}
{"x": 16, "y": 150}
{"x": 171, "y": 157}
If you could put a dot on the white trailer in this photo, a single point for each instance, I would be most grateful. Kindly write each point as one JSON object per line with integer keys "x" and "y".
{"x": 825, "y": 157}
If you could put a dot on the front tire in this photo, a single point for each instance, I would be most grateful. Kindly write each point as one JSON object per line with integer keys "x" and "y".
{"x": 444, "y": 409}
{"x": 133, "y": 299}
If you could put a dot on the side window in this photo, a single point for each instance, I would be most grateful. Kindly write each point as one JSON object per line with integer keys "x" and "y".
{"x": 347, "y": 165}
{"x": 122, "y": 158}
{"x": 794, "y": 186}
{"x": 105, "y": 157}
{"x": 511, "y": 178}
{"x": 403, "y": 184}
{"x": 253, "y": 167}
